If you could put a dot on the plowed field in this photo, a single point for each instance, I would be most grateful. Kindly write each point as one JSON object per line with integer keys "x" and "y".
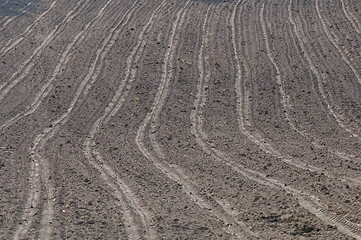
{"x": 170, "y": 119}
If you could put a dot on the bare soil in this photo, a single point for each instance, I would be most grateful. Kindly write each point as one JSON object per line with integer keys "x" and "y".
{"x": 199, "y": 119}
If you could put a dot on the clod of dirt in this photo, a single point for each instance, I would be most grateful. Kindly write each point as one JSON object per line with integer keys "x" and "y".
{"x": 304, "y": 228}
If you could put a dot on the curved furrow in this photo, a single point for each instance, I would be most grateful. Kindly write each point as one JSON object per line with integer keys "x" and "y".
{"x": 287, "y": 107}
{"x": 344, "y": 34}
{"x": 285, "y": 102}
{"x": 48, "y": 212}
{"x": 172, "y": 171}
{"x": 351, "y": 17}
{"x": 50, "y": 131}
{"x": 17, "y": 39}
{"x": 123, "y": 194}
{"x": 306, "y": 134}
{"x": 41, "y": 164}
{"x": 199, "y": 105}
{"x": 245, "y": 112}
{"x": 32, "y": 201}
{"x": 336, "y": 171}
{"x": 130, "y": 73}
{"x": 257, "y": 138}
{"x": 341, "y": 85}
{"x": 309, "y": 202}
{"x": 122, "y": 191}
{"x": 7, "y": 20}
{"x": 28, "y": 65}
{"x": 342, "y": 177}
{"x": 165, "y": 81}
{"x": 333, "y": 39}
{"x": 225, "y": 135}
{"x": 320, "y": 80}
{"x": 341, "y": 167}
{"x": 62, "y": 63}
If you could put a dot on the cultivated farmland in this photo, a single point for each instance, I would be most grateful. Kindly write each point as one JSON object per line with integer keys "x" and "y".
{"x": 180, "y": 119}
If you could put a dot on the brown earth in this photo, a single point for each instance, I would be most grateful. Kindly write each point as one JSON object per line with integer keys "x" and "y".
{"x": 200, "y": 119}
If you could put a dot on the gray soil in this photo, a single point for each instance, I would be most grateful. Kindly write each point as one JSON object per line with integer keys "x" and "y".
{"x": 199, "y": 119}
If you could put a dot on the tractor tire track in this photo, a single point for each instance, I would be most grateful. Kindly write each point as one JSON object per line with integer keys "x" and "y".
{"x": 28, "y": 65}
{"x": 172, "y": 171}
{"x": 197, "y": 117}
{"x": 16, "y": 40}
{"x": 286, "y": 106}
{"x": 229, "y": 95}
{"x": 325, "y": 81}
{"x": 32, "y": 201}
{"x": 129, "y": 203}
{"x": 40, "y": 164}
{"x": 350, "y": 17}
{"x": 63, "y": 61}
{"x": 95, "y": 159}
{"x": 320, "y": 80}
{"x": 50, "y": 131}
{"x": 329, "y": 71}
{"x": 266, "y": 145}
{"x": 308, "y": 136}
{"x": 334, "y": 39}
{"x": 309, "y": 202}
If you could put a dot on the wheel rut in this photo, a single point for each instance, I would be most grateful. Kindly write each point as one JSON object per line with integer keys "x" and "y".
{"x": 235, "y": 228}
{"x": 28, "y": 65}
{"x": 351, "y": 17}
{"x": 321, "y": 81}
{"x": 263, "y": 143}
{"x": 40, "y": 165}
{"x": 202, "y": 119}
{"x": 62, "y": 64}
{"x": 95, "y": 159}
{"x": 16, "y": 40}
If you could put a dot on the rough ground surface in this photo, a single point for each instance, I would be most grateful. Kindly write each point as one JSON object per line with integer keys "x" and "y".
{"x": 152, "y": 119}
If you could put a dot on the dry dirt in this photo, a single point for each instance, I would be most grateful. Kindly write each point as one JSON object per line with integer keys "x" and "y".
{"x": 169, "y": 119}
